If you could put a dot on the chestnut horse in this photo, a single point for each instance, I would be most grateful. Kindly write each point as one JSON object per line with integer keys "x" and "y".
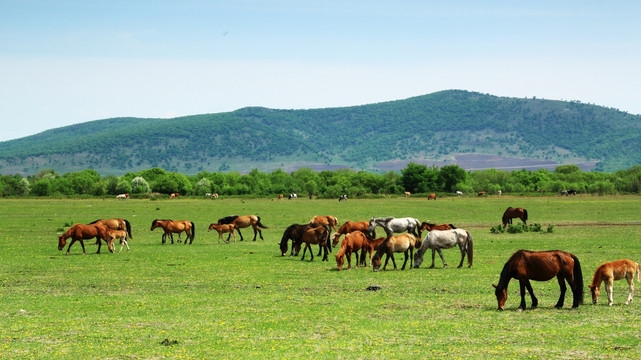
{"x": 348, "y": 227}
{"x": 115, "y": 224}
{"x": 511, "y": 213}
{"x": 241, "y": 222}
{"x": 80, "y": 232}
{"x": 404, "y": 243}
{"x": 429, "y": 227}
{"x": 119, "y": 234}
{"x": 615, "y": 270}
{"x": 318, "y": 235}
{"x": 221, "y": 229}
{"x": 541, "y": 266}
{"x": 431, "y": 196}
{"x": 352, "y": 243}
{"x": 177, "y": 227}
{"x": 369, "y": 248}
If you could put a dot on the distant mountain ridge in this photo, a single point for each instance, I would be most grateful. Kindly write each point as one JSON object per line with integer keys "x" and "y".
{"x": 439, "y": 128}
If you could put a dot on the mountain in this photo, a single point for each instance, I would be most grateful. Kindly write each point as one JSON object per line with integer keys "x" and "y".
{"x": 470, "y": 129}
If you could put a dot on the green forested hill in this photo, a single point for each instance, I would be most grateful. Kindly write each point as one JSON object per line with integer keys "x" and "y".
{"x": 432, "y": 127}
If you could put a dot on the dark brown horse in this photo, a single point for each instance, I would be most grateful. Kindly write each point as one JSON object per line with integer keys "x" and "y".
{"x": 429, "y": 227}
{"x": 80, "y": 232}
{"x": 241, "y": 222}
{"x": 294, "y": 232}
{"x": 541, "y": 266}
{"x": 175, "y": 227}
{"x": 511, "y": 213}
{"x": 318, "y": 235}
{"x": 348, "y": 227}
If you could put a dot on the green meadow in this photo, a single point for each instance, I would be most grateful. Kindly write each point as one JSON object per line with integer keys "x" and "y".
{"x": 242, "y": 300}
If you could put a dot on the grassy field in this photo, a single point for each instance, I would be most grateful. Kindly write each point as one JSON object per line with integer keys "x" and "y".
{"x": 243, "y": 300}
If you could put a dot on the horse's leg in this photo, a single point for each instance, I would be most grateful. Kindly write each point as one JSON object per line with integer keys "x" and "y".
{"x": 433, "y": 255}
{"x": 393, "y": 261}
{"x": 463, "y": 251}
{"x": 304, "y": 251}
{"x": 239, "y": 233}
{"x": 630, "y": 277}
{"x": 83, "y": 246}
{"x": 440, "y": 253}
{"x": 256, "y": 233}
{"x": 609, "y": 282}
{"x": 522, "y": 285}
{"x": 405, "y": 262}
{"x": 535, "y": 301}
{"x": 563, "y": 287}
{"x": 348, "y": 255}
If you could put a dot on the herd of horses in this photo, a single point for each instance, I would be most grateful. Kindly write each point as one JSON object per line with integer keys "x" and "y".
{"x": 402, "y": 235}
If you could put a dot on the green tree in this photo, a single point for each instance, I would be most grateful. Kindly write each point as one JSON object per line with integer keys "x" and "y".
{"x": 140, "y": 186}
{"x": 449, "y": 176}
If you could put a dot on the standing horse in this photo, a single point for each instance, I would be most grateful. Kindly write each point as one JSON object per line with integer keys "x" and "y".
{"x": 80, "y": 232}
{"x": 348, "y": 227}
{"x": 431, "y": 196}
{"x": 445, "y": 239}
{"x": 352, "y": 243}
{"x": 369, "y": 248}
{"x": 170, "y": 227}
{"x": 611, "y": 271}
{"x": 511, "y": 213}
{"x": 221, "y": 229}
{"x": 342, "y": 198}
{"x": 404, "y": 243}
{"x": 541, "y": 266}
{"x": 241, "y": 222}
{"x": 294, "y": 232}
{"x": 119, "y": 234}
{"x": 318, "y": 235}
{"x": 429, "y": 227}
{"x": 116, "y": 224}
{"x": 393, "y": 225}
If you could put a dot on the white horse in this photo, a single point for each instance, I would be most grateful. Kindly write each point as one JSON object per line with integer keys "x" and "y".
{"x": 459, "y": 193}
{"x": 445, "y": 239}
{"x": 393, "y": 225}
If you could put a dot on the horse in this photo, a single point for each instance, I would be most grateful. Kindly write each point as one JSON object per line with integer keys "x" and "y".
{"x": 369, "y": 248}
{"x": 429, "y": 227}
{"x": 221, "y": 229}
{"x": 178, "y": 227}
{"x": 445, "y": 239}
{"x": 328, "y": 221}
{"x": 404, "y": 243}
{"x": 115, "y": 224}
{"x": 459, "y": 193}
{"x": 119, "y": 234}
{"x": 174, "y": 195}
{"x": 80, "y": 232}
{"x": 407, "y": 193}
{"x": 511, "y": 213}
{"x": 293, "y": 196}
{"x": 393, "y": 225}
{"x": 481, "y": 193}
{"x": 280, "y": 196}
{"x": 431, "y": 196}
{"x": 318, "y": 235}
{"x": 122, "y": 196}
{"x": 241, "y": 222}
{"x": 524, "y": 265}
{"x": 348, "y": 227}
{"x": 294, "y": 232}
{"x": 342, "y": 198}
{"x": 615, "y": 270}
{"x": 352, "y": 243}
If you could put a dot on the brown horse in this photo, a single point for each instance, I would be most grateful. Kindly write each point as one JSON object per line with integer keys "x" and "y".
{"x": 352, "y": 243}
{"x": 404, "y": 243}
{"x": 221, "y": 229}
{"x": 615, "y": 270}
{"x": 327, "y": 220}
{"x": 511, "y": 213}
{"x": 431, "y": 196}
{"x": 348, "y": 227}
{"x": 429, "y": 227}
{"x": 541, "y": 266}
{"x": 119, "y": 234}
{"x": 369, "y": 248}
{"x": 116, "y": 224}
{"x": 241, "y": 222}
{"x": 80, "y": 232}
{"x": 177, "y": 227}
{"x": 481, "y": 193}
{"x": 294, "y": 232}
{"x": 317, "y": 235}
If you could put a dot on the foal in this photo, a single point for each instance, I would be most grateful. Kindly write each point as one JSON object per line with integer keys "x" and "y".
{"x": 615, "y": 270}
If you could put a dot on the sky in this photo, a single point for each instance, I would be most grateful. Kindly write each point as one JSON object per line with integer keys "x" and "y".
{"x": 66, "y": 62}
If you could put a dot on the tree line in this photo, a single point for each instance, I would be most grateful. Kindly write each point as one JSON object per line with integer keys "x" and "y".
{"x": 414, "y": 178}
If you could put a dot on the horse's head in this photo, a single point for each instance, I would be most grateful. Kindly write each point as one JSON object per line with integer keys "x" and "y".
{"x": 154, "y": 225}
{"x": 595, "y": 293}
{"x": 376, "y": 262}
{"x": 501, "y": 296}
{"x": 372, "y": 226}
{"x": 211, "y": 227}
{"x": 340, "y": 260}
{"x": 335, "y": 239}
{"x": 61, "y": 242}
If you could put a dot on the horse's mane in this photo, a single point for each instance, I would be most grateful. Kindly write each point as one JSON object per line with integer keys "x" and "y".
{"x": 505, "y": 277}
{"x": 227, "y": 219}
{"x": 93, "y": 222}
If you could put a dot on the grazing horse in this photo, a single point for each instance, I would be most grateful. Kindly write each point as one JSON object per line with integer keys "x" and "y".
{"x": 122, "y": 196}
{"x": 116, "y": 224}
{"x": 393, "y": 225}
{"x": 404, "y": 243}
{"x": 352, "y": 243}
{"x": 294, "y": 232}
{"x": 429, "y": 227}
{"x": 348, "y": 227}
{"x": 280, "y": 196}
{"x": 318, "y": 235}
{"x": 481, "y": 193}
{"x": 293, "y": 196}
{"x": 541, "y": 266}
{"x": 369, "y": 248}
{"x": 407, "y": 193}
{"x": 80, "y": 232}
{"x": 511, "y": 213}
{"x": 178, "y": 227}
{"x": 431, "y": 196}
{"x": 445, "y": 239}
{"x": 459, "y": 193}
{"x": 611, "y": 271}
{"x": 241, "y": 222}
{"x": 119, "y": 234}
{"x": 342, "y": 198}
{"x": 174, "y": 195}
{"x": 221, "y": 229}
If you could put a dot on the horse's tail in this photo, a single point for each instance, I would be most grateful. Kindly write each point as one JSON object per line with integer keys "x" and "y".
{"x": 452, "y": 226}
{"x": 128, "y": 226}
{"x": 524, "y": 215}
{"x": 193, "y": 232}
{"x": 259, "y": 224}
{"x": 638, "y": 273}
{"x": 578, "y": 282}
{"x": 470, "y": 249}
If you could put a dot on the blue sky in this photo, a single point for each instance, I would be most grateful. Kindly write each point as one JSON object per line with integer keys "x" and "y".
{"x": 65, "y": 62}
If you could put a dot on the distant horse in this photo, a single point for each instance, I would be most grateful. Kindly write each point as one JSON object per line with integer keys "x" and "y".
{"x": 175, "y": 227}
{"x": 459, "y": 193}
{"x": 294, "y": 232}
{"x": 445, "y": 239}
{"x": 611, "y": 271}
{"x": 407, "y": 193}
{"x": 342, "y": 198}
{"x": 393, "y": 225}
{"x": 280, "y": 196}
{"x": 481, "y": 193}
{"x": 293, "y": 196}
{"x": 115, "y": 224}
{"x": 119, "y": 234}
{"x": 352, "y": 243}
{"x": 241, "y": 222}
{"x": 511, "y": 213}
{"x": 80, "y": 232}
{"x": 431, "y": 196}
{"x": 404, "y": 243}
{"x": 221, "y": 229}
{"x": 348, "y": 227}
{"x": 429, "y": 227}
{"x": 174, "y": 195}
{"x": 313, "y": 236}
{"x": 122, "y": 196}
{"x": 541, "y": 266}
{"x": 369, "y": 248}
